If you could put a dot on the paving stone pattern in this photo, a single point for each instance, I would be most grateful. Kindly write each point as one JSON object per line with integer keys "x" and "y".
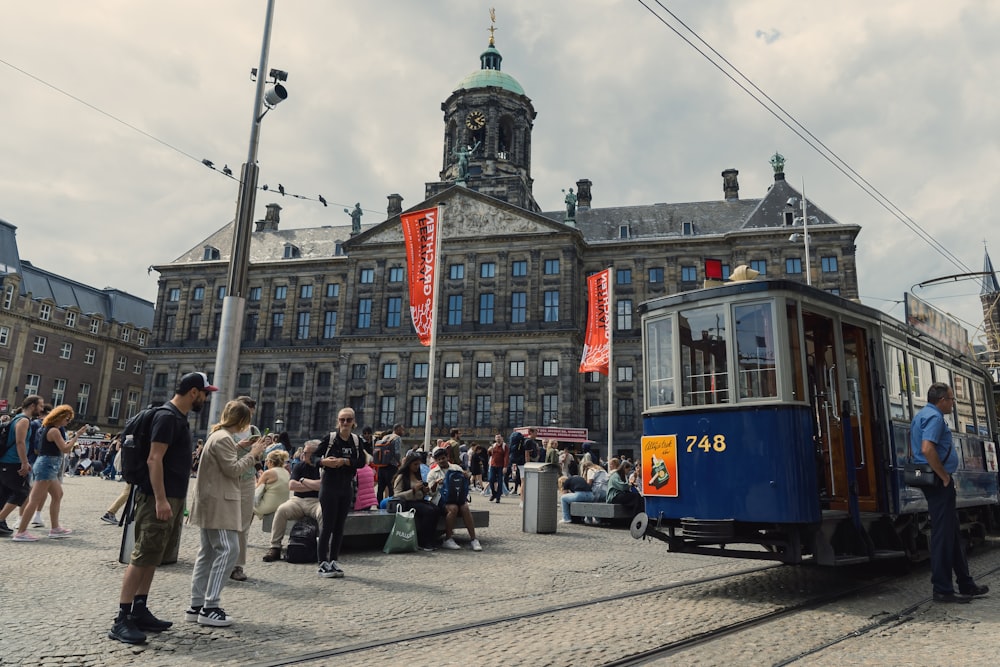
{"x": 59, "y": 598}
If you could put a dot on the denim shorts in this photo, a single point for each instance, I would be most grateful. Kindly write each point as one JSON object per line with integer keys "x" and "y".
{"x": 47, "y": 468}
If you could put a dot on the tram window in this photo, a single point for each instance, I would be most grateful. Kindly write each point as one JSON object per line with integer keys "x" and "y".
{"x": 795, "y": 350}
{"x": 942, "y": 374}
{"x": 979, "y": 398}
{"x": 756, "y": 372}
{"x": 703, "y": 343}
{"x": 963, "y": 404}
{"x": 899, "y": 383}
{"x": 920, "y": 374}
{"x": 659, "y": 360}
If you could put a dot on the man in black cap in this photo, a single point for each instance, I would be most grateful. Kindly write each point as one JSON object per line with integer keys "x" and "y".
{"x": 159, "y": 506}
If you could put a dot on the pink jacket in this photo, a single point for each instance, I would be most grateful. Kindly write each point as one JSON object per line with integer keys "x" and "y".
{"x": 366, "y": 488}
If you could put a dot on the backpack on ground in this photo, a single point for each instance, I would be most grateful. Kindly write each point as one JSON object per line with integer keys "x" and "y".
{"x": 385, "y": 452}
{"x": 7, "y": 434}
{"x": 135, "y": 439}
{"x": 302, "y": 541}
{"x": 454, "y": 488}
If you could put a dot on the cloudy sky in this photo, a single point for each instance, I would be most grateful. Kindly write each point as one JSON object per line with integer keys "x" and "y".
{"x": 903, "y": 90}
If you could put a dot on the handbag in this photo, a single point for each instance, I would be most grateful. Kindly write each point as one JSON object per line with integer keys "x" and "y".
{"x": 403, "y": 536}
{"x": 920, "y": 474}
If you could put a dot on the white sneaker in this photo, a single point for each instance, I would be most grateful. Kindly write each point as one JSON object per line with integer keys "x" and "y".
{"x": 450, "y": 543}
{"x": 565, "y": 521}
{"x": 476, "y": 546}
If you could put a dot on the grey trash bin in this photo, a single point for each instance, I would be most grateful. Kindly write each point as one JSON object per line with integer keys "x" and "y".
{"x": 541, "y": 482}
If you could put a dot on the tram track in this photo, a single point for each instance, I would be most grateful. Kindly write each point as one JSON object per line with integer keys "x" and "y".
{"x": 359, "y": 648}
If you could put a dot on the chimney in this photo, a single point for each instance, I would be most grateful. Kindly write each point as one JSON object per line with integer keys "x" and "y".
{"x": 730, "y": 184}
{"x": 271, "y": 219}
{"x": 395, "y": 206}
{"x": 583, "y": 194}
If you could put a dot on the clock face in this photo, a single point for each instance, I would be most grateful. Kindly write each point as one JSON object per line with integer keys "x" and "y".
{"x": 475, "y": 120}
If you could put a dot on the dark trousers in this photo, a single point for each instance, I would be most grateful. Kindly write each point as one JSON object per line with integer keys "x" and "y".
{"x": 335, "y": 505}
{"x": 632, "y": 501}
{"x": 426, "y": 515}
{"x": 496, "y": 483}
{"x": 384, "y": 474}
{"x": 946, "y": 541}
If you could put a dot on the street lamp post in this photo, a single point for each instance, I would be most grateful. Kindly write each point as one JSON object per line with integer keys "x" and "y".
{"x": 805, "y": 231}
{"x": 233, "y": 305}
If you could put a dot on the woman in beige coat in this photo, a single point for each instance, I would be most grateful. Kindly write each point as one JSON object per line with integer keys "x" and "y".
{"x": 217, "y": 510}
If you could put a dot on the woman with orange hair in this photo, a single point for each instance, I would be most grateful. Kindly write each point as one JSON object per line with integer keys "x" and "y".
{"x": 46, "y": 472}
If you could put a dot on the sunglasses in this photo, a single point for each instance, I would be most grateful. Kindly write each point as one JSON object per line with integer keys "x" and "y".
{"x": 345, "y": 420}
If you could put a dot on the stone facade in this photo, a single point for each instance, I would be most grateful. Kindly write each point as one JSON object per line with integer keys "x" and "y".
{"x": 332, "y": 323}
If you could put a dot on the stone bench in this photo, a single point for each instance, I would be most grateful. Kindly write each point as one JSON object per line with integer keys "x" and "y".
{"x": 378, "y": 523}
{"x": 599, "y": 510}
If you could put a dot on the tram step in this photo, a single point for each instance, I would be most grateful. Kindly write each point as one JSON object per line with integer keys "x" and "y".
{"x": 888, "y": 554}
{"x": 849, "y": 559}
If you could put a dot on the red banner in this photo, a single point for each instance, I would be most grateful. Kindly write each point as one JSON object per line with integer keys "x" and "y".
{"x": 420, "y": 230}
{"x": 597, "y": 346}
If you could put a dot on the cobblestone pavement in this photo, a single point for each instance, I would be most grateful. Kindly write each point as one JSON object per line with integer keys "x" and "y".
{"x": 58, "y": 599}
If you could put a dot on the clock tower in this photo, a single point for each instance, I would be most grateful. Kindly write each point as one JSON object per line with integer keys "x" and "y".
{"x": 487, "y": 135}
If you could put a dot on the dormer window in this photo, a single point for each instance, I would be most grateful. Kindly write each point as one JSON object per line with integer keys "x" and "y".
{"x": 624, "y": 232}
{"x": 210, "y": 254}
{"x": 292, "y": 251}
{"x": 687, "y": 228}
{"x": 338, "y": 249}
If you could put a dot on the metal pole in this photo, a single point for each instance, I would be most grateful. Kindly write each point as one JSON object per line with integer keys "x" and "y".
{"x": 435, "y": 307}
{"x": 227, "y": 357}
{"x": 805, "y": 232}
{"x": 612, "y": 320}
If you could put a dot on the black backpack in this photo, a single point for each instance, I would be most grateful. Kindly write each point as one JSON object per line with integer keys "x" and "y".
{"x": 135, "y": 439}
{"x": 454, "y": 488}
{"x": 302, "y": 541}
{"x": 385, "y": 452}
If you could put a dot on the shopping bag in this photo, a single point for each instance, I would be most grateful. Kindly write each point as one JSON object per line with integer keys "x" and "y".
{"x": 403, "y": 536}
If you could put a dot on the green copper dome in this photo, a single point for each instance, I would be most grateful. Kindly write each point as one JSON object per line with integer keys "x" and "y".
{"x": 490, "y": 74}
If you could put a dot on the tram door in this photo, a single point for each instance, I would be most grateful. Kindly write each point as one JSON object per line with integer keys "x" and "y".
{"x": 823, "y": 363}
{"x": 859, "y": 393}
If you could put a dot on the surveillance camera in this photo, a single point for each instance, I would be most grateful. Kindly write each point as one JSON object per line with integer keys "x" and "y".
{"x": 792, "y": 201}
{"x": 275, "y": 95}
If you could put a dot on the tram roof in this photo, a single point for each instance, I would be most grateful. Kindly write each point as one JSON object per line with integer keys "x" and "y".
{"x": 914, "y": 336}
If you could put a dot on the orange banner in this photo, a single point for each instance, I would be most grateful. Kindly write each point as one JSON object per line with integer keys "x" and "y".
{"x": 597, "y": 346}
{"x": 420, "y": 230}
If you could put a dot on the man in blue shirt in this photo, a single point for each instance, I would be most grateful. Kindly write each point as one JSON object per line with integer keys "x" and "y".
{"x": 931, "y": 443}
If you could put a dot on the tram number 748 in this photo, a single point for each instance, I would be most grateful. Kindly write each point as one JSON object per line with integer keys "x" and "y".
{"x": 707, "y": 443}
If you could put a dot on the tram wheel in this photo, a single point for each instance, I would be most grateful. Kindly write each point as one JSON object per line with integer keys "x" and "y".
{"x": 638, "y": 526}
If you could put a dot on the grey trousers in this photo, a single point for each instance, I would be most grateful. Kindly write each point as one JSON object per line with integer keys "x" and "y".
{"x": 216, "y": 557}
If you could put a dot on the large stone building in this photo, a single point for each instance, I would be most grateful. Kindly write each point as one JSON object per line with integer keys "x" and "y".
{"x": 69, "y": 342}
{"x": 327, "y": 320}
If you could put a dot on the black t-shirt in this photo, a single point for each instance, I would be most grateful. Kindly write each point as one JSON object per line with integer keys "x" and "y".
{"x": 531, "y": 447}
{"x": 305, "y": 470}
{"x": 171, "y": 428}
{"x": 575, "y": 484}
{"x": 341, "y": 479}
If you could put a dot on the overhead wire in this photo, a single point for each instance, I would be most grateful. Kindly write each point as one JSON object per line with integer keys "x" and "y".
{"x": 789, "y": 121}
{"x": 225, "y": 171}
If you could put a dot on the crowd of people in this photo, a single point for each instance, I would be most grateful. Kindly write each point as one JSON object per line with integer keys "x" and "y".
{"x": 237, "y": 474}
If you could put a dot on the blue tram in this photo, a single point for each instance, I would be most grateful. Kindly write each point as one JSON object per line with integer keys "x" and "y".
{"x": 776, "y": 426}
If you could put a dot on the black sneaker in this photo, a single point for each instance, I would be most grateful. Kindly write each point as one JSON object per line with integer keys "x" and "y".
{"x": 110, "y": 519}
{"x": 215, "y": 617}
{"x": 954, "y": 598}
{"x": 337, "y": 572}
{"x": 144, "y": 620}
{"x": 975, "y": 591}
{"x": 125, "y": 630}
{"x": 191, "y": 614}
{"x": 5, "y": 529}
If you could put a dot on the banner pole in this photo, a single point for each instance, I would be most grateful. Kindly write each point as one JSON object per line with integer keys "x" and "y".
{"x": 612, "y": 315}
{"x": 431, "y": 365}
